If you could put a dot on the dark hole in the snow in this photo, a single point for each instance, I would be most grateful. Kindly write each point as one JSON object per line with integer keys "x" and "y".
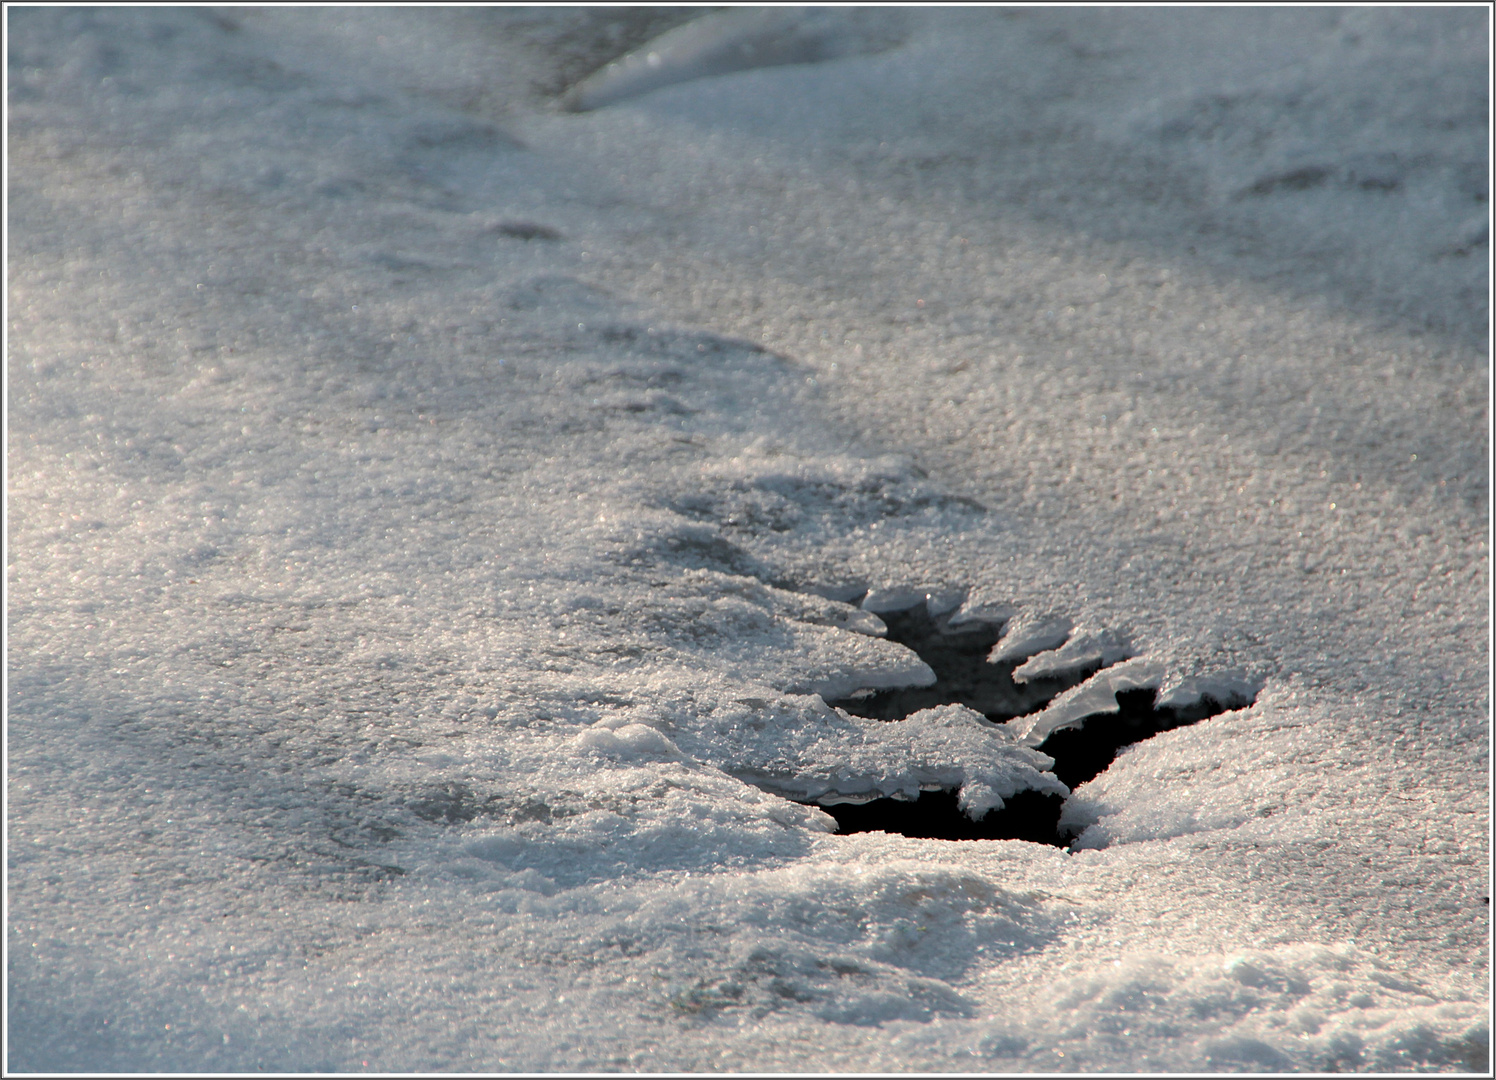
{"x": 1029, "y": 815}
{"x": 958, "y": 656}
{"x": 1082, "y": 753}
{"x": 963, "y": 675}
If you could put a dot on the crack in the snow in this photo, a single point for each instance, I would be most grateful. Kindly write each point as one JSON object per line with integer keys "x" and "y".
{"x": 957, "y": 650}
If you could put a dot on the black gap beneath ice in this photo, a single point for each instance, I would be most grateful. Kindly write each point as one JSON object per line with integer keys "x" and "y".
{"x": 1083, "y": 753}
{"x": 958, "y": 656}
{"x": 935, "y": 815}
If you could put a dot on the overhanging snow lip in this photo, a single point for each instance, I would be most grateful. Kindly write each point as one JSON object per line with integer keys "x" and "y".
{"x": 1097, "y": 695}
{"x": 914, "y": 676}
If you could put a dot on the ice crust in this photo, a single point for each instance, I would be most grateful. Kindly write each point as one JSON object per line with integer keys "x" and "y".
{"x": 437, "y": 519}
{"x": 1080, "y": 651}
{"x": 849, "y": 759}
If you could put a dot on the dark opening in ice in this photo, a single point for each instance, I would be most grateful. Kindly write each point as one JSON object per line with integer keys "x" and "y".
{"x": 1029, "y": 815}
{"x": 1085, "y": 752}
{"x": 958, "y": 656}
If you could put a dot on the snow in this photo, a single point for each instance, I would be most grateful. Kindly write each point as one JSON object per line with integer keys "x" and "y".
{"x": 1095, "y": 696}
{"x": 739, "y": 39}
{"x": 1080, "y": 650}
{"x": 437, "y": 520}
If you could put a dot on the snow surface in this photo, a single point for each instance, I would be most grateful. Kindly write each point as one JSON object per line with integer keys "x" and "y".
{"x": 433, "y": 516}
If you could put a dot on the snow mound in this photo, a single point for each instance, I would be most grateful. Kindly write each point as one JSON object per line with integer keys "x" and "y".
{"x": 1315, "y": 1008}
{"x": 737, "y": 40}
{"x": 1289, "y": 1008}
{"x": 860, "y": 942}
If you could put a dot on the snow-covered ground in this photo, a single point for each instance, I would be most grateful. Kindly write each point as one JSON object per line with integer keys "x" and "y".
{"x": 431, "y": 512}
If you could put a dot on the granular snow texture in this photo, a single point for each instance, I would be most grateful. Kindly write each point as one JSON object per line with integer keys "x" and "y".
{"x": 433, "y": 513}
